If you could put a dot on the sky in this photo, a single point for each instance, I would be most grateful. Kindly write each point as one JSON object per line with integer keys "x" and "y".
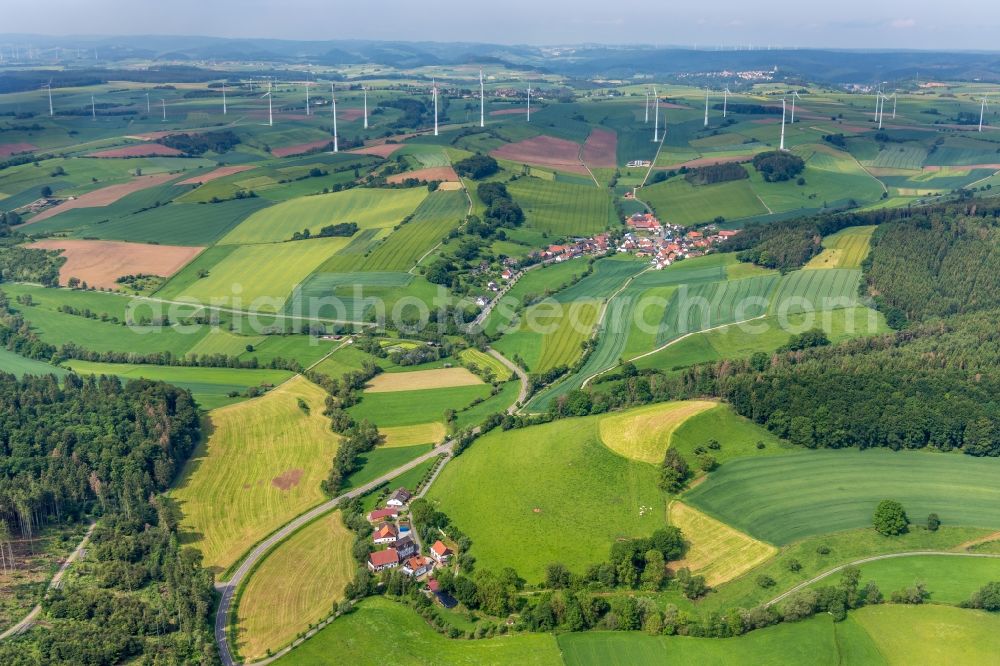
{"x": 906, "y": 24}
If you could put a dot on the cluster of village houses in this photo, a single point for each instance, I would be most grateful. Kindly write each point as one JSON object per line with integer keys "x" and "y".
{"x": 399, "y": 547}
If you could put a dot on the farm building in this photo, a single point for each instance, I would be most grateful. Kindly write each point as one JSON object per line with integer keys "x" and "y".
{"x": 386, "y": 533}
{"x": 644, "y": 222}
{"x": 440, "y": 552}
{"x": 383, "y": 559}
{"x": 399, "y": 497}
{"x": 382, "y": 514}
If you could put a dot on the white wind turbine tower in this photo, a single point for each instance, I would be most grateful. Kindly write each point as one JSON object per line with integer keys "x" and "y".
{"x": 725, "y": 101}
{"x": 782, "y": 146}
{"x": 224, "y": 112}
{"x": 333, "y": 101}
{"x": 364, "y": 89}
{"x": 251, "y": 85}
{"x": 982, "y": 112}
{"x": 147, "y": 104}
{"x": 795, "y": 96}
{"x": 656, "y": 112}
{"x": 307, "y": 95}
{"x": 706, "y": 107}
{"x": 93, "y": 108}
{"x": 434, "y": 93}
{"x": 48, "y": 86}
{"x": 482, "y": 101}
{"x": 647, "y": 106}
{"x": 163, "y": 103}
{"x": 270, "y": 115}
{"x": 529, "y": 102}
{"x": 881, "y": 111}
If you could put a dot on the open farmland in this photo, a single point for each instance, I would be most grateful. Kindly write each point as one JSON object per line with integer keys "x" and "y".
{"x": 104, "y": 196}
{"x": 554, "y": 492}
{"x": 421, "y": 379}
{"x": 813, "y": 290}
{"x": 551, "y": 334}
{"x": 483, "y": 361}
{"x": 368, "y": 208}
{"x": 645, "y": 433}
{"x": 779, "y": 499}
{"x": 715, "y": 550}
{"x": 404, "y": 408}
{"x": 544, "y": 151}
{"x": 378, "y": 620}
{"x": 215, "y": 174}
{"x": 16, "y": 364}
{"x": 679, "y": 202}
{"x": 563, "y": 209}
{"x": 101, "y": 263}
{"x": 845, "y": 249}
{"x": 440, "y": 173}
{"x": 260, "y": 467}
{"x": 295, "y": 586}
{"x": 437, "y": 215}
{"x": 137, "y": 150}
{"x": 601, "y": 149}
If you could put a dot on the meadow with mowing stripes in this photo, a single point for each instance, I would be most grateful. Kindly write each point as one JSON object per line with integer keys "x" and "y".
{"x": 845, "y": 249}
{"x": 551, "y": 334}
{"x": 679, "y": 202}
{"x": 437, "y": 215}
{"x": 813, "y": 290}
{"x": 378, "y": 621}
{"x": 779, "y": 499}
{"x": 260, "y": 466}
{"x": 368, "y": 208}
{"x": 563, "y": 209}
{"x": 404, "y": 408}
{"x": 473, "y": 358}
{"x": 554, "y": 492}
{"x": 295, "y": 586}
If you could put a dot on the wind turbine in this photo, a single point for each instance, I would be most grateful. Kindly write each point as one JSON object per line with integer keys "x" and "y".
{"x": 163, "y": 103}
{"x": 365, "y": 90}
{"x": 148, "y": 109}
{"x": 982, "y": 113}
{"x": 333, "y": 100}
{"x": 434, "y": 93}
{"x": 482, "y": 101}
{"x": 93, "y": 108}
{"x": 307, "y": 96}
{"x": 529, "y": 102}
{"x": 223, "y": 98}
{"x": 782, "y": 147}
{"x": 706, "y": 107}
{"x": 48, "y": 86}
{"x": 881, "y": 111}
{"x": 725, "y": 101}
{"x": 647, "y": 107}
{"x": 656, "y": 112}
{"x": 270, "y": 115}
{"x": 795, "y": 96}
{"x": 251, "y": 85}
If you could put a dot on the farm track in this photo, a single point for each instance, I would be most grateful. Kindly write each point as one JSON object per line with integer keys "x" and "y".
{"x": 875, "y": 558}
{"x": 29, "y": 619}
{"x": 521, "y": 375}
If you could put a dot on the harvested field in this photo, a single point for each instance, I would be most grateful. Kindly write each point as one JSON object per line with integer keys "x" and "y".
{"x": 7, "y": 149}
{"x": 707, "y": 161}
{"x": 450, "y": 187}
{"x": 507, "y": 112}
{"x": 381, "y": 150}
{"x": 600, "y": 150}
{"x": 716, "y": 550}
{"x": 422, "y": 433}
{"x": 546, "y": 151}
{"x": 100, "y": 263}
{"x": 104, "y": 196}
{"x": 350, "y": 114}
{"x": 221, "y": 172}
{"x": 644, "y": 434}
{"x": 300, "y": 148}
{"x": 138, "y": 150}
{"x": 422, "y": 379}
{"x": 444, "y": 174}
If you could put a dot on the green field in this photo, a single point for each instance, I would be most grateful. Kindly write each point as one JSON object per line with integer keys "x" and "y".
{"x": 402, "y": 408}
{"x": 18, "y": 365}
{"x": 679, "y": 202}
{"x": 551, "y": 334}
{"x": 845, "y": 249}
{"x": 783, "y": 498}
{"x": 379, "y": 621}
{"x": 482, "y": 360}
{"x": 368, "y": 208}
{"x": 563, "y": 209}
{"x": 209, "y": 386}
{"x": 737, "y": 436}
{"x": 438, "y": 214}
{"x": 813, "y": 290}
{"x": 552, "y": 493}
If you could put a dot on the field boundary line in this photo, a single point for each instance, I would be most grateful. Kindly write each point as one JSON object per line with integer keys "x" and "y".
{"x": 875, "y": 558}
{"x": 468, "y": 214}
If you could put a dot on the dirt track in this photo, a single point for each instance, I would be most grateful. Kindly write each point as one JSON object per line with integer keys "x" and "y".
{"x": 221, "y": 172}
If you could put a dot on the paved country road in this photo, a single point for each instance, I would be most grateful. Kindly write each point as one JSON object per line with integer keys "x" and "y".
{"x": 228, "y": 589}
{"x": 29, "y": 619}
{"x": 874, "y": 558}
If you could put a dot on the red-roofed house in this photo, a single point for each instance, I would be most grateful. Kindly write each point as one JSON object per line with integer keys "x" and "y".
{"x": 381, "y": 514}
{"x": 693, "y": 234}
{"x": 417, "y": 565}
{"x": 433, "y": 585}
{"x": 386, "y": 533}
{"x": 728, "y": 233}
{"x": 644, "y": 222}
{"x": 440, "y": 552}
{"x": 383, "y": 559}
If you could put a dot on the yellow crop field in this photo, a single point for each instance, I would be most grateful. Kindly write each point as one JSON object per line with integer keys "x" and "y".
{"x": 419, "y": 380}
{"x": 644, "y": 434}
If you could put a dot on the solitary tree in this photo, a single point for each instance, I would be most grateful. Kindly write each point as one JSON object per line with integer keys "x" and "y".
{"x": 890, "y": 518}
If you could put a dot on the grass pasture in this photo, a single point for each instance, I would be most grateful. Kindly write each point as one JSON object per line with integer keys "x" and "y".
{"x": 377, "y": 621}
{"x": 551, "y": 334}
{"x": 16, "y": 364}
{"x": 406, "y": 408}
{"x": 679, "y": 202}
{"x": 296, "y": 585}
{"x": 813, "y": 290}
{"x": 260, "y": 466}
{"x": 563, "y": 209}
{"x": 644, "y": 433}
{"x": 779, "y": 499}
{"x": 931, "y": 634}
{"x": 845, "y": 249}
{"x": 716, "y": 550}
{"x": 553, "y": 493}
{"x": 368, "y": 208}
{"x": 481, "y": 360}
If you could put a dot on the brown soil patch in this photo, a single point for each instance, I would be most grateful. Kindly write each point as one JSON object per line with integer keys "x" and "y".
{"x": 380, "y": 150}
{"x": 444, "y": 174}
{"x": 139, "y": 150}
{"x": 100, "y": 263}
{"x": 508, "y": 112}
{"x": 708, "y": 161}
{"x": 350, "y": 115}
{"x": 104, "y": 196}
{"x": 221, "y": 172}
{"x": 7, "y": 149}
{"x": 287, "y": 479}
{"x": 300, "y": 148}
{"x": 601, "y": 149}
{"x": 995, "y": 536}
{"x": 544, "y": 151}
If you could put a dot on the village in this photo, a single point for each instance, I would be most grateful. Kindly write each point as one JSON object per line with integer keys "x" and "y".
{"x": 400, "y": 547}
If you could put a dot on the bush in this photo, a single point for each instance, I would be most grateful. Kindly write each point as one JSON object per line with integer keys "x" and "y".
{"x": 765, "y": 581}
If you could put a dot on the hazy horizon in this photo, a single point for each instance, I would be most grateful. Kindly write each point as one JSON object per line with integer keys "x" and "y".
{"x": 892, "y": 24}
